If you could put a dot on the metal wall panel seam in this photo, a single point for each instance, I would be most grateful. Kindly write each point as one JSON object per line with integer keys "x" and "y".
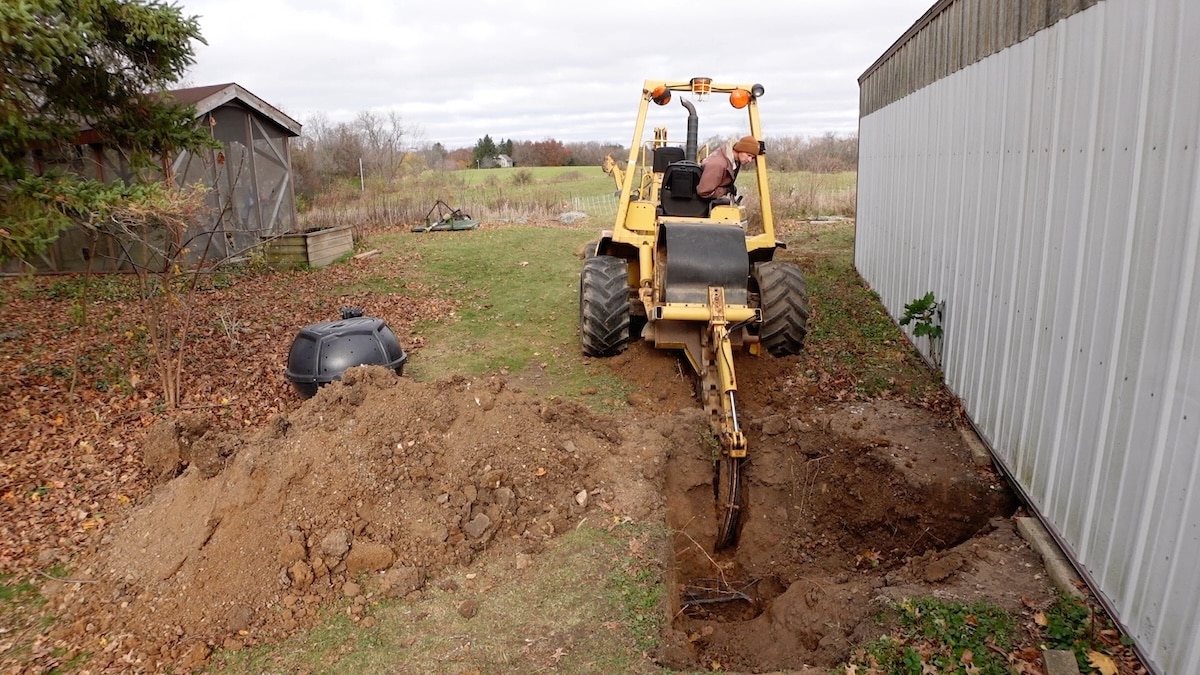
{"x": 1032, "y": 217}
{"x": 1126, "y": 305}
{"x": 968, "y": 374}
{"x": 1003, "y": 384}
{"x": 1182, "y": 563}
{"x": 966, "y": 288}
{"x": 1063, "y": 219}
{"x": 1039, "y": 388}
{"x": 988, "y": 405}
{"x": 919, "y": 212}
{"x": 926, "y": 208}
{"x": 1006, "y": 232}
{"x": 1112, "y": 88}
{"x": 1089, "y": 229}
{"x": 1109, "y": 399}
{"x": 952, "y": 292}
{"x": 1154, "y": 499}
{"x": 1020, "y": 339}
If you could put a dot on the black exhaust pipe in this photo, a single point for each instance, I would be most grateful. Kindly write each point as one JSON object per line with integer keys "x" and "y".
{"x": 693, "y": 130}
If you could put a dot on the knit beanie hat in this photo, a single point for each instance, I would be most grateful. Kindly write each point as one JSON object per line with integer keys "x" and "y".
{"x": 746, "y": 144}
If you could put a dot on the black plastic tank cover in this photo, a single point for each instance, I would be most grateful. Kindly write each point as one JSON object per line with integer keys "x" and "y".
{"x": 321, "y": 352}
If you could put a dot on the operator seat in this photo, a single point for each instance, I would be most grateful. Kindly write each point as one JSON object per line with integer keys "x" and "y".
{"x": 678, "y": 194}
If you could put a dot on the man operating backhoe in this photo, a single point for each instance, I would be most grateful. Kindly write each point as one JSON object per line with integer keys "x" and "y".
{"x": 720, "y": 169}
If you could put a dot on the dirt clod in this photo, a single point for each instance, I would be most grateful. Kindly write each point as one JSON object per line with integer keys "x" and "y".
{"x": 468, "y": 609}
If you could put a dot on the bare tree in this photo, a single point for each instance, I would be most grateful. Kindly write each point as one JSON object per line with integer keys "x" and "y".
{"x": 383, "y": 143}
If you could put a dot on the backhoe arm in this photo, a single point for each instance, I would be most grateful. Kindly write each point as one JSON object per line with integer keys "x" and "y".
{"x": 719, "y": 386}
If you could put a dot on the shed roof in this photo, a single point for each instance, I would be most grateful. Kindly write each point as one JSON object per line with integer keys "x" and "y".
{"x": 210, "y": 97}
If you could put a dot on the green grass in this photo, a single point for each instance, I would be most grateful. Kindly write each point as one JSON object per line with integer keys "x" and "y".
{"x": 1071, "y": 625}
{"x": 786, "y": 181}
{"x": 943, "y": 636}
{"x": 851, "y": 336}
{"x": 519, "y": 193}
{"x": 519, "y": 288}
{"x": 934, "y": 635}
{"x": 537, "y": 181}
{"x": 20, "y": 615}
{"x": 639, "y": 591}
{"x": 552, "y": 617}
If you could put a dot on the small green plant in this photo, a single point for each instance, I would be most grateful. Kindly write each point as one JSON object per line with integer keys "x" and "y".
{"x": 942, "y": 636}
{"x": 925, "y": 313}
{"x": 1066, "y": 623}
{"x": 1070, "y": 624}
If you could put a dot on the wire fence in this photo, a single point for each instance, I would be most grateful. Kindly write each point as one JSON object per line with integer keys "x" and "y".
{"x": 596, "y": 206}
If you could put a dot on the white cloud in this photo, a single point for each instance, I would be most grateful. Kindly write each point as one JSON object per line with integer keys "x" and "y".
{"x": 533, "y": 69}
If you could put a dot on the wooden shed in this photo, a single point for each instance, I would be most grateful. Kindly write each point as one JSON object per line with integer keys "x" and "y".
{"x": 250, "y": 195}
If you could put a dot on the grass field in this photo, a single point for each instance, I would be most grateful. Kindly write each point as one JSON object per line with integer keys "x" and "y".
{"x": 524, "y": 193}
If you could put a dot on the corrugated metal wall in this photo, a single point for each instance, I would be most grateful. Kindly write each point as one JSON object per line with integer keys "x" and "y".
{"x": 1050, "y": 195}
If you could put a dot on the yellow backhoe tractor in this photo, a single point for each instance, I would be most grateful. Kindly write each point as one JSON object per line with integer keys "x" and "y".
{"x": 687, "y": 273}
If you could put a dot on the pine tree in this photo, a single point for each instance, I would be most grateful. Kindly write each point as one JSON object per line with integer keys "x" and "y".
{"x": 67, "y": 65}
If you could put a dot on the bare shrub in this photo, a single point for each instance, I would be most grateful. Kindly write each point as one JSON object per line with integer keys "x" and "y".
{"x": 813, "y": 195}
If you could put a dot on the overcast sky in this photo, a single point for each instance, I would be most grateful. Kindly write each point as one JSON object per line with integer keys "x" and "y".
{"x": 570, "y": 70}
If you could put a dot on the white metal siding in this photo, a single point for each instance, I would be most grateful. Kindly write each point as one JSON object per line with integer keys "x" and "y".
{"x": 1050, "y": 195}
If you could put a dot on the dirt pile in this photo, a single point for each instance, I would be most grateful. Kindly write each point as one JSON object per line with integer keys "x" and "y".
{"x": 381, "y": 484}
{"x": 377, "y": 477}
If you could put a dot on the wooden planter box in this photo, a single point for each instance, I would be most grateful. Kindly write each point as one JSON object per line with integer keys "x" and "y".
{"x": 315, "y": 248}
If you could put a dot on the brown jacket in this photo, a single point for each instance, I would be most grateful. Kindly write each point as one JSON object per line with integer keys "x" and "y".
{"x": 719, "y": 170}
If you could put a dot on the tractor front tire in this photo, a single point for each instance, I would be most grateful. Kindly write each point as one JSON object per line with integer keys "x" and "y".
{"x": 783, "y": 297}
{"x": 604, "y": 306}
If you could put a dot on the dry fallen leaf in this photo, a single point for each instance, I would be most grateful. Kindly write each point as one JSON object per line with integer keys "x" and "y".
{"x": 1040, "y": 619}
{"x": 1103, "y": 663}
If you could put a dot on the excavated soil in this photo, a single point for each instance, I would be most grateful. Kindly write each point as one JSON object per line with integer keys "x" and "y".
{"x": 247, "y": 537}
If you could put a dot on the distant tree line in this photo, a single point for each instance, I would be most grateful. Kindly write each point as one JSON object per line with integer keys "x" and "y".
{"x": 547, "y": 152}
{"x": 382, "y": 148}
{"x": 828, "y": 153}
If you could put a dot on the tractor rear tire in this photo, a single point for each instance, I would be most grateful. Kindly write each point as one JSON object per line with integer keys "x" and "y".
{"x": 783, "y": 297}
{"x": 604, "y": 306}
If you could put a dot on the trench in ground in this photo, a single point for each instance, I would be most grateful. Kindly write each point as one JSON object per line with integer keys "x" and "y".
{"x": 834, "y": 504}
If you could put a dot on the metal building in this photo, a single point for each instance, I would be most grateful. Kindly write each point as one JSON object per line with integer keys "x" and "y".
{"x": 1033, "y": 163}
{"x": 249, "y": 179}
